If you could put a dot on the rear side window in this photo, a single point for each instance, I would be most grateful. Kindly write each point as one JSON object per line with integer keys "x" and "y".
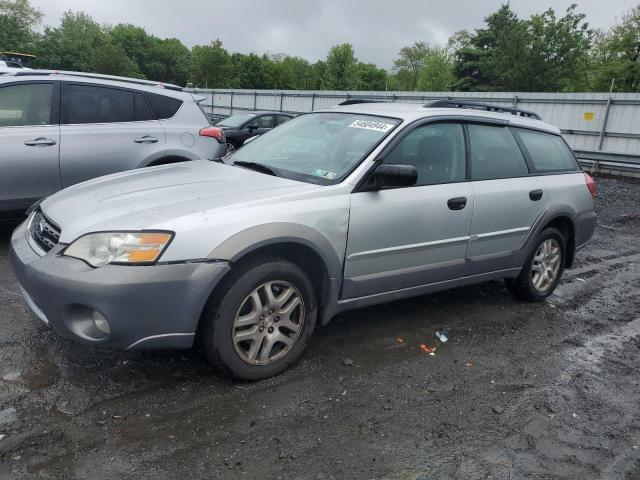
{"x": 548, "y": 152}
{"x": 28, "y": 104}
{"x": 164, "y": 107}
{"x": 92, "y": 104}
{"x": 495, "y": 153}
{"x": 143, "y": 112}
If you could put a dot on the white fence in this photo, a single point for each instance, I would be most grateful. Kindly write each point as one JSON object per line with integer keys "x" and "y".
{"x": 589, "y": 121}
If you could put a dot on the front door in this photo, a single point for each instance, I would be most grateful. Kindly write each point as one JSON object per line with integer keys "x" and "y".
{"x": 407, "y": 237}
{"x": 29, "y": 144}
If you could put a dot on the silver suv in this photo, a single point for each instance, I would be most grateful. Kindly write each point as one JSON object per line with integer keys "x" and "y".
{"x": 58, "y": 129}
{"x": 353, "y": 206}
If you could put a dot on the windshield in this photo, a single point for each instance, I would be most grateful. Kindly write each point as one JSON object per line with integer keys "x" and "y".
{"x": 319, "y": 147}
{"x": 236, "y": 120}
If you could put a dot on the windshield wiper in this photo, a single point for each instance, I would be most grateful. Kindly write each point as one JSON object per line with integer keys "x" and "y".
{"x": 258, "y": 167}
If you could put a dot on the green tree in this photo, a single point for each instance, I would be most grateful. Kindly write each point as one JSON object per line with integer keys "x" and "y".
{"x": 18, "y": 19}
{"x": 616, "y": 55}
{"x": 112, "y": 59}
{"x": 409, "y": 64}
{"x": 72, "y": 45}
{"x": 543, "y": 53}
{"x": 210, "y": 65}
{"x": 436, "y": 74}
{"x": 369, "y": 77}
{"x": 340, "y": 68}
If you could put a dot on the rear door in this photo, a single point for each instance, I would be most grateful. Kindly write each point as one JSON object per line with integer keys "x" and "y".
{"x": 508, "y": 200}
{"x": 407, "y": 237}
{"x": 106, "y": 130}
{"x": 29, "y": 143}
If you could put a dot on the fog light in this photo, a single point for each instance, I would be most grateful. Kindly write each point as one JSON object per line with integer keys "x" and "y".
{"x": 101, "y": 323}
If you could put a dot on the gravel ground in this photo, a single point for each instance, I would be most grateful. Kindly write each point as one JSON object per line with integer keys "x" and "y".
{"x": 519, "y": 391}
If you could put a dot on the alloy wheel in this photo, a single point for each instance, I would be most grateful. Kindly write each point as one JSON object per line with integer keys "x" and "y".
{"x": 268, "y": 323}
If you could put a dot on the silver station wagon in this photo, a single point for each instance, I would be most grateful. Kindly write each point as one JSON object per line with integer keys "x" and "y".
{"x": 360, "y": 204}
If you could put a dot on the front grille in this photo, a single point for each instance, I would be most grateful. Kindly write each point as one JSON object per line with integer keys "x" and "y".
{"x": 44, "y": 232}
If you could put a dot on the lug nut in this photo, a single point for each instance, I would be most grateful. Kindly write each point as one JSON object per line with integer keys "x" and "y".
{"x": 270, "y": 330}
{"x": 270, "y": 312}
{"x": 261, "y": 317}
{"x": 277, "y": 319}
{"x": 261, "y": 329}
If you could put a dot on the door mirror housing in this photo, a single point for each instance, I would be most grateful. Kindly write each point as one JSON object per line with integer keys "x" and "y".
{"x": 392, "y": 176}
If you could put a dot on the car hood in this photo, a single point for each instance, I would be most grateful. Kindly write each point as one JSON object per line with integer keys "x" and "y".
{"x": 157, "y": 196}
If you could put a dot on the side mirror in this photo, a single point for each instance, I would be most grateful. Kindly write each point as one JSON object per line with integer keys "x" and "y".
{"x": 389, "y": 176}
{"x": 251, "y": 128}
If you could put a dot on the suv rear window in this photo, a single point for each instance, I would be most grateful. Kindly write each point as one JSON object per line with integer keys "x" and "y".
{"x": 164, "y": 107}
{"x": 495, "y": 153}
{"x": 548, "y": 152}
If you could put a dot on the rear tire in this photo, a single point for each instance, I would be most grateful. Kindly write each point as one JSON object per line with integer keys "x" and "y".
{"x": 543, "y": 268}
{"x": 261, "y": 321}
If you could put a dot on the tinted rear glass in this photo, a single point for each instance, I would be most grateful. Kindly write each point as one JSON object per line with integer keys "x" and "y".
{"x": 495, "y": 153}
{"x": 92, "y": 104}
{"x": 548, "y": 152}
{"x": 143, "y": 112}
{"x": 164, "y": 107}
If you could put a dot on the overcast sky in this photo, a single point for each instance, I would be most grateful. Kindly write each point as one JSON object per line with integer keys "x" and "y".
{"x": 308, "y": 28}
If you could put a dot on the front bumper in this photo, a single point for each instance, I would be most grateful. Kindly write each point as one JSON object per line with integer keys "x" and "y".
{"x": 156, "y": 306}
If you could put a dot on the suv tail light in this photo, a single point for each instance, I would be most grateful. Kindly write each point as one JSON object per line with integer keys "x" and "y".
{"x": 591, "y": 185}
{"x": 214, "y": 132}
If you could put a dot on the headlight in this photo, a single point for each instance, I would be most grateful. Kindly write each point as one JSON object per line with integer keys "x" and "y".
{"x": 132, "y": 248}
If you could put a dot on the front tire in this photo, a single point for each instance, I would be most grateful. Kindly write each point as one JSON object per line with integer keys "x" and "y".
{"x": 260, "y": 322}
{"x": 543, "y": 268}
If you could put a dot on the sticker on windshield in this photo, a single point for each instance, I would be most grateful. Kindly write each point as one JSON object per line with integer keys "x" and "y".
{"x": 324, "y": 174}
{"x": 371, "y": 125}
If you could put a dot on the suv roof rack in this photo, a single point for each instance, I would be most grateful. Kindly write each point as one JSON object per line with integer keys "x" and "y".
{"x": 357, "y": 101}
{"x": 139, "y": 81}
{"x": 481, "y": 106}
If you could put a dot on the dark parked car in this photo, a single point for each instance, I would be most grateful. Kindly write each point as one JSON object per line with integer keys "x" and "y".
{"x": 238, "y": 128}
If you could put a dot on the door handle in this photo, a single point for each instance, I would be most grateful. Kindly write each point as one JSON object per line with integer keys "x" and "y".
{"x": 535, "y": 195}
{"x": 457, "y": 203}
{"x": 146, "y": 139}
{"x": 40, "y": 142}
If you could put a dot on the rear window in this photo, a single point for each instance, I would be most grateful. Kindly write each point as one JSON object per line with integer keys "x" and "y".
{"x": 548, "y": 152}
{"x": 495, "y": 153}
{"x": 164, "y": 107}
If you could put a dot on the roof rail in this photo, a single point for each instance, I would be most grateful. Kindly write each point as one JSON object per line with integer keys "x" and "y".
{"x": 482, "y": 106}
{"x": 357, "y": 101}
{"x": 139, "y": 81}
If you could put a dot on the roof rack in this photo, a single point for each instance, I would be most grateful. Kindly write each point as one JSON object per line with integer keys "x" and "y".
{"x": 27, "y": 73}
{"x": 357, "y": 101}
{"x": 482, "y": 106}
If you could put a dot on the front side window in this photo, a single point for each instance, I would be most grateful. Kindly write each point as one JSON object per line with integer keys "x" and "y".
{"x": 27, "y": 104}
{"x": 495, "y": 153}
{"x": 264, "y": 121}
{"x": 317, "y": 148}
{"x": 91, "y": 104}
{"x": 548, "y": 152}
{"x": 436, "y": 150}
{"x": 235, "y": 121}
{"x": 283, "y": 119}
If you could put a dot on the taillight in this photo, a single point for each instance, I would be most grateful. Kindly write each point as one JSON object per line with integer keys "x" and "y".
{"x": 591, "y": 185}
{"x": 214, "y": 132}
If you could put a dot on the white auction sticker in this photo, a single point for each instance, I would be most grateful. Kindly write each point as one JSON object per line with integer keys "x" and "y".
{"x": 370, "y": 125}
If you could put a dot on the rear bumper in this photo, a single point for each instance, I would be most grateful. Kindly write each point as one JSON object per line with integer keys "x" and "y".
{"x": 155, "y": 306}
